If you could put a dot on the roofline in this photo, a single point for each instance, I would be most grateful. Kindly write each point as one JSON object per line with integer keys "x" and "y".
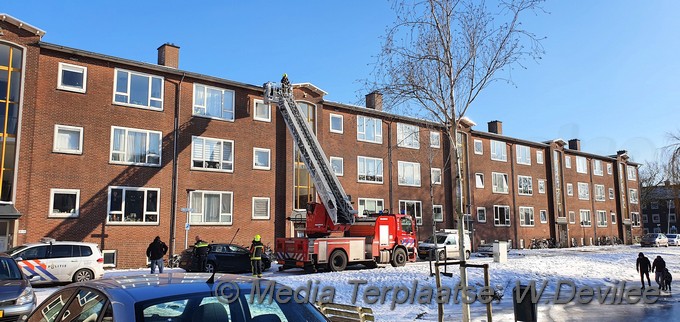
{"x": 311, "y": 86}
{"x": 22, "y": 25}
{"x": 370, "y": 111}
{"x": 507, "y": 138}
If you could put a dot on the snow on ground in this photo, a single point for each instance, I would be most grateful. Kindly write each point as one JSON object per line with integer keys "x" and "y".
{"x": 603, "y": 268}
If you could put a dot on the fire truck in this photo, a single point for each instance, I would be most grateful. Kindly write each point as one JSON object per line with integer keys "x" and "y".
{"x": 335, "y": 235}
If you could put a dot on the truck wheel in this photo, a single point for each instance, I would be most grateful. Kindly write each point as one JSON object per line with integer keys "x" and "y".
{"x": 338, "y": 261}
{"x": 399, "y": 257}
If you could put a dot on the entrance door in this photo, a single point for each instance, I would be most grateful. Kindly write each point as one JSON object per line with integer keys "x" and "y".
{"x": 4, "y": 235}
{"x": 563, "y": 235}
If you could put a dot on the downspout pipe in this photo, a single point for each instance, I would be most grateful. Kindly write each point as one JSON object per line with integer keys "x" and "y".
{"x": 175, "y": 156}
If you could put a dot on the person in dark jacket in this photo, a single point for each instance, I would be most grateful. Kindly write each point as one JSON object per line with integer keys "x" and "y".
{"x": 155, "y": 252}
{"x": 200, "y": 254}
{"x": 659, "y": 266}
{"x": 256, "y": 251}
{"x": 643, "y": 266}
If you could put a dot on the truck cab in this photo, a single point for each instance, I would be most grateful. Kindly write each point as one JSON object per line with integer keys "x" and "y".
{"x": 444, "y": 245}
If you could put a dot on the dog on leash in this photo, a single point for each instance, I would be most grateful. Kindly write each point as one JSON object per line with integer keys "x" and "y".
{"x": 666, "y": 280}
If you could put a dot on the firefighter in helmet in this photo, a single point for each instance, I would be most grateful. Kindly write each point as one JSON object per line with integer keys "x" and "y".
{"x": 256, "y": 251}
{"x": 285, "y": 83}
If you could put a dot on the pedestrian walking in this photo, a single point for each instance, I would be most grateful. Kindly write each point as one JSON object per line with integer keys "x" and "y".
{"x": 256, "y": 250}
{"x": 200, "y": 254}
{"x": 659, "y": 266}
{"x": 155, "y": 252}
{"x": 643, "y": 266}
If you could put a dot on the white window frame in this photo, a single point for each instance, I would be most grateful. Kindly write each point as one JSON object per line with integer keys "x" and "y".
{"x": 417, "y": 216}
{"x": 483, "y": 212}
{"x": 611, "y": 194}
{"x": 494, "y": 182}
{"x": 572, "y": 217}
{"x": 342, "y": 124}
{"x": 525, "y": 190}
{"x": 478, "y": 146}
{"x": 612, "y": 215}
{"x": 539, "y": 157}
{"x": 599, "y": 192}
{"x": 597, "y": 168}
{"x": 496, "y": 216}
{"x": 654, "y": 204}
{"x": 601, "y": 218}
{"x": 644, "y": 218}
{"x": 583, "y": 191}
{"x": 75, "y": 69}
{"x": 523, "y": 219}
{"x": 567, "y": 161}
{"x": 585, "y": 221}
{"x": 269, "y": 159}
{"x": 125, "y": 147}
{"x": 377, "y": 129}
{"x": 435, "y": 143}
{"x": 497, "y": 155}
{"x": 255, "y": 216}
{"x": 196, "y": 108}
{"x": 115, "y": 257}
{"x": 379, "y": 171}
{"x": 632, "y": 193}
{"x": 128, "y": 94}
{"x": 570, "y": 189}
{"x": 656, "y": 218}
{"x": 365, "y": 200}
{"x": 55, "y": 146}
{"x": 222, "y": 143}
{"x": 259, "y": 118}
{"x": 408, "y": 136}
{"x": 402, "y": 167}
{"x": 433, "y": 171}
{"x": 121, "y": 212}
{"x": 543, "y": 216}
{"x": 76, "y": 211}
{"x": 610, "y": 168}
{"x": 581, "y": 164}
{"x": 196, "y": 214}
{"x": 441, "y": 212}
{"x": 632, "y": 176}
{"x": 541, "y": 186}
{"x": 523, "y": 154}
{"x": 342, "y": 165}
{"x": 479, "y": 180}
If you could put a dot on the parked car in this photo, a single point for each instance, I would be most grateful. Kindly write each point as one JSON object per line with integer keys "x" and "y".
{"x": 174, "y": 297}
{"x": 446, "y": 245}
{"x": 487, "y": 250}
{"x": 654, "y": 239}
{"x": 17, "y": 298}
{"x": 59, "y": 261}
{"x": 226, "y": 258}
{"x": 673, "y": 239}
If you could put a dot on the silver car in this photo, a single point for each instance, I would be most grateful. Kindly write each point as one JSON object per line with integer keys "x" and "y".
{"x": 17, "y": 298}
{"x": 673, "y": 239}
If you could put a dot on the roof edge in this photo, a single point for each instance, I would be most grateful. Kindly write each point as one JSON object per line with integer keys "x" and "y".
{"x": 22, "y": 25}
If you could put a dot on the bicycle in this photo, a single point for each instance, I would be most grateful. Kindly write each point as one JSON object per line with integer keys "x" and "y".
{"x": 173, "y": 262}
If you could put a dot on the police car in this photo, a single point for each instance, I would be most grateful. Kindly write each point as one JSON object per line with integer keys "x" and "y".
{"x": 59, "y": 261}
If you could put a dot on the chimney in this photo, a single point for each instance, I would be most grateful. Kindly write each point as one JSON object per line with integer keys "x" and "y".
{"x": 168, "y": 55}
{"x": 496, "y": 127}
{"x": 374, "y": 100}
{"x": 620, "y": 152}
{"x": 575, "y": 144}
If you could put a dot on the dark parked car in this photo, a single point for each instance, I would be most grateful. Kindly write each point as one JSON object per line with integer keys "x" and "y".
{"x": 17, "y": 298}
{"x": 227, "y": 258}
{"x": 654, "y": 240}
{"x": 179, "y": 297}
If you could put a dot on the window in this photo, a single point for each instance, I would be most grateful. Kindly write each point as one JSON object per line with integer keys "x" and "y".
{"x": 213, "y": 102}
{"x": 601, "y": 218}
{"x": 260, "y": 208}
{"x": 567, "y": 162}
{"x": 370, "y": 170}
{"x": 581, "y": 165}
{"x": 599, "y": 192}
{"x": 132, "y": 205}
{"x": 644, "y": 218}
{"x": 212, "y": 154}
{"x": 655, "y": 205}
{"x": 409, "y": 174}
{"x": 211, "y": 207}
{"x": 370, "y": 206}
{"x": 671, "y": 204}
{"x": 436, "y": 175}
{"x": 261, "y": 159}
{"x": 633, "y": 196}
{"x": 110, "y": 257}
{"x": 613, "y": 216}
{"x": 585, "y": 218}
{"x": 413, "y": 208}
{"x": 539, "y": 157}
{"x": 632, "y": 176}
{"x": 68, "y": 139}
{"x": 435, "y": 139}
{"x": 523, "y": 155}
{"x": 134, "y": 146}
{"x": 583, "y": 191}
{"x": 498, "y": 151}
{"x": 501, "y": 215}
{"x": 481, "y": 214}
{"x": 336, "y": 123}
{"x": 611, "y": 193}
{"x": 138, "y": 90}
{"x": 338, "y": 166}
{"x": 263, "y": 112}
{"x": 499, "y": 182}
{"x": 479, "y": 147}
{"x": 526, "y": 216}
{"x": 597, "y": 168}
{"x": 525, "y": 185}
{"x": 72, "y": 78}
{"x": 438, "y": 213}
{"x": 479, "y": 179}
{"x": 541, "y": 186}
{"x": 408, "y": 136}
{"x": 544, "y": 216}
{"x": 609, "y": 168}
{"x": 570, "y": 189}
{"x": 369, "y": 129}
{"x": 64, "y": 203}
{"x": 656, "y": 218}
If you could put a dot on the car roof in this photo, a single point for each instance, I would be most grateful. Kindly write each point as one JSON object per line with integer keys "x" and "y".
{"x": 62, "y": 243}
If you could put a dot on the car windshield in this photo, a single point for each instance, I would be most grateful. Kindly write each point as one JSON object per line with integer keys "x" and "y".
{"x": 440, "y": 239}
{"x": 671, "y": 236}
{"x": 650, "y": 236}
{"x": 15, "y": 249}
{"x": 9, "y": 270}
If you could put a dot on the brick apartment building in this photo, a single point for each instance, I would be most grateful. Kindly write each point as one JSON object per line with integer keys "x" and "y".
{"x": 658, "y": 208}
{"x": 114, "y": 151}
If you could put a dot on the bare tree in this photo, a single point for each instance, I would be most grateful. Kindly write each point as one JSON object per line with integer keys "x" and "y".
{"x": 441, "y": 54}
{"x": 650, "y": 177}
{"x": 672, "y": 151}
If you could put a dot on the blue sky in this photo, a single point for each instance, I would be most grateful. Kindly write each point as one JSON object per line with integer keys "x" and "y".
{"x": 609, "y": 76}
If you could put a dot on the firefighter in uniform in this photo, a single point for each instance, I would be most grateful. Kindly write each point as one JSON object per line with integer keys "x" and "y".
{"x": 200, "y": 254}
{"x": 285, "y": 83}
{"x": 256, "y": 250}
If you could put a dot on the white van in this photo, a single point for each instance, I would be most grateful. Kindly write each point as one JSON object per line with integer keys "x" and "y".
{"x": 446, "y": 245}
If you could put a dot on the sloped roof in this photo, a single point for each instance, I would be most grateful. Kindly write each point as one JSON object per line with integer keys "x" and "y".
{"x": 21, "y": 25}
